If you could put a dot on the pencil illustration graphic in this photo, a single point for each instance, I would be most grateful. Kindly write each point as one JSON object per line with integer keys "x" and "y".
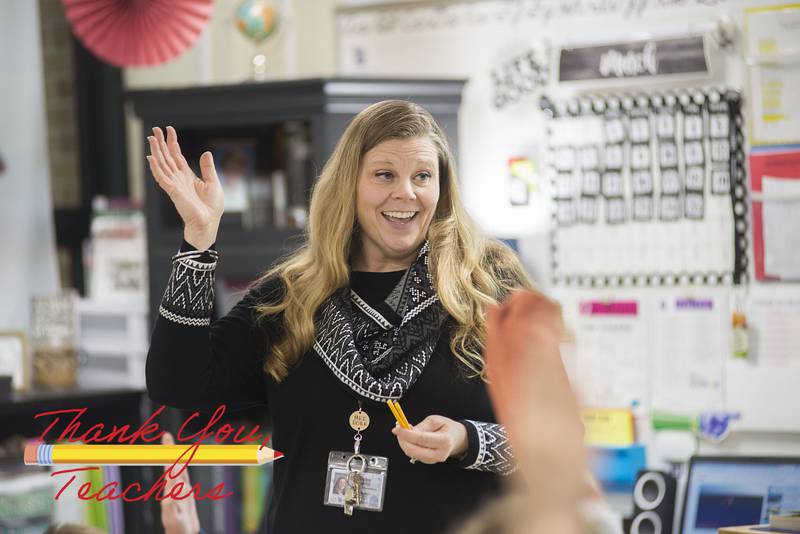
{"x": 149, "y": 454}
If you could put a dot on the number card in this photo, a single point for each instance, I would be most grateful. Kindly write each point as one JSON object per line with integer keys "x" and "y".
{"x": 671, "y": 183}
{"x": 565, "y": 212}
{"x": 642, "y": 182}
{"x": 720, "y": 150}
{"x": 588, "y": 210}
{"x": 695, "y": 178}
{"x": 720, "y": 182}
{"x": 692, "y": 125}
{"x": 640, "y": 156}
{"x": 565, "y": 185}
{"x": 718, "y": 125}
{"x": 612, "y": 184}
{"x": 693, "y": 153}
{"x": 640, "y": 130}
{"x": 615, "y": 131}
{"x": 614, "y": 156}
{"x": 694, "y": 206}
{"x": 665, "y": 124}
{"x": 590, "y": 183}
{"x": 668, "y": 154}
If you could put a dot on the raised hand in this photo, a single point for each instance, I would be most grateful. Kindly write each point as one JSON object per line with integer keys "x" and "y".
{"x": 523, "y": 359}
{"x": 532, "y": 397}
{"x": 199, "y": 202}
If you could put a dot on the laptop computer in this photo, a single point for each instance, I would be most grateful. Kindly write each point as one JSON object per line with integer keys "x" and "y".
{"x": 726, "y": 491}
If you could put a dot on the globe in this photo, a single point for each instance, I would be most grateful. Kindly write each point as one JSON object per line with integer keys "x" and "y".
{"x": 257, "y": 19}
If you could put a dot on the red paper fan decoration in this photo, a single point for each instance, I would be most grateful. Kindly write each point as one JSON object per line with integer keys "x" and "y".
{"x": 130, "y": 33}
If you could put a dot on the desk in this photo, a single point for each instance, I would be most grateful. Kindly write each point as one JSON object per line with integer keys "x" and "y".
{"x": 753, "y": 529}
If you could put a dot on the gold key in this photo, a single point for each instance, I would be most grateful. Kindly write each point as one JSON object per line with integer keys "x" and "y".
{"x": 349, "y": 498}
{"x": 358, "y": 481}
{"x": 352, "y": 495}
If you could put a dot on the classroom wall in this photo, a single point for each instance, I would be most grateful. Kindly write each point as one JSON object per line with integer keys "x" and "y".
{"x": 483, "y": 36}
{"x": 471, "y": 40}
{"x": 26, "y": 216}
{"x": 479, "y": 38}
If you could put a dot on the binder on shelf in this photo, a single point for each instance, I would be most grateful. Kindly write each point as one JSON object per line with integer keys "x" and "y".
{"x": 26, "y": 501}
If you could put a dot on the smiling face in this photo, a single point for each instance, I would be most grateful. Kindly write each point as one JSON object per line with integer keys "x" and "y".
{"x": 396, "y": 196}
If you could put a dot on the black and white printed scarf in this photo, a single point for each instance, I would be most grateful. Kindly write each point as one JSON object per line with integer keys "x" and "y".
{"x": 380, "y": 352}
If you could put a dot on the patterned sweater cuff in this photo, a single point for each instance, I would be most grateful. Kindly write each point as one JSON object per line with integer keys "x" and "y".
{"x": 488, "y": 448}
{"x": 205, "y": 256}
{"x": 189, "y": 297}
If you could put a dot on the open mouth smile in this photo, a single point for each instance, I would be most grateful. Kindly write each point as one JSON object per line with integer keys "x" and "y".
{"x": 399, "y": 218}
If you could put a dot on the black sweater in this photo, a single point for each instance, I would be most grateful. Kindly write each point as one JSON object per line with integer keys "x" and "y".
{"x": 198, "y": 367}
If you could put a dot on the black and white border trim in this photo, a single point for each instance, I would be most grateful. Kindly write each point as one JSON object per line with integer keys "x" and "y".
{"x": 494, "y": 449}
{"x": 189, "y": 297}
{"x": 370, "y": 312}
{"x": 397, "y": 394}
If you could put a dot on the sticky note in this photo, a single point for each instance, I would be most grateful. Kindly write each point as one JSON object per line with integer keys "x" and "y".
{"x": 608, "y": 426}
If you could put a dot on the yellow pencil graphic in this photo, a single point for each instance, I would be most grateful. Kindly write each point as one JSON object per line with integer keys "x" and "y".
{"x": 149, "y": 454}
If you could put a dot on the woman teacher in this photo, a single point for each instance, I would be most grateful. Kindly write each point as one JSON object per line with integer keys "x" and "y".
{"x": 385, "y": 301}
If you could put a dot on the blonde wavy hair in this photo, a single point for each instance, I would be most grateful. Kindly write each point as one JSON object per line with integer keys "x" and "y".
{"x": 469, "y": 271}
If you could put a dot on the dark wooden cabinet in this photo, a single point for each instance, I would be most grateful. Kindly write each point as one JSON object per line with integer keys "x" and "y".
{"x": 265, "y": 119}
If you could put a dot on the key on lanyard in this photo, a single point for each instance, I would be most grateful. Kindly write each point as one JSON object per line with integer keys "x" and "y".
{"x": 352, "y": 495}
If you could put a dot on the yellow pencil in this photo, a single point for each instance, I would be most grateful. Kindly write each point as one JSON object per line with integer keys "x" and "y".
{"x": 398, "y": 413}
{"x": 395, "y": 414}
{"x": 402, "y": 414}
{"x": 149, "y": 454}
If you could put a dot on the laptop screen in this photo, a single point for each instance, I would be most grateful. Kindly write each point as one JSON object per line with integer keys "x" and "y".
{"x": 729, "y": 491}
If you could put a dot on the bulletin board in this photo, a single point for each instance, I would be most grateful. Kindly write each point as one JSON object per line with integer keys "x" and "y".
{"x": 649, "y": 189}
{"x": 648, "y": 242}
{"x": 656, "y": 348}
{"x": 669, "y": 349}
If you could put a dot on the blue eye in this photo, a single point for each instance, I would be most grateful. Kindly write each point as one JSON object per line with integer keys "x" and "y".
{"x": 424, "y": 176}
{"x": 384, "y": 175}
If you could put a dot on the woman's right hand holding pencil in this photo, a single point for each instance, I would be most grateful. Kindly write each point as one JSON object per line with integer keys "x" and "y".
{"x": 199, "y": 202}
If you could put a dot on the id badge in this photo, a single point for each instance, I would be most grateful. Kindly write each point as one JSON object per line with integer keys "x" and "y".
{"x": 373, "y": 486}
